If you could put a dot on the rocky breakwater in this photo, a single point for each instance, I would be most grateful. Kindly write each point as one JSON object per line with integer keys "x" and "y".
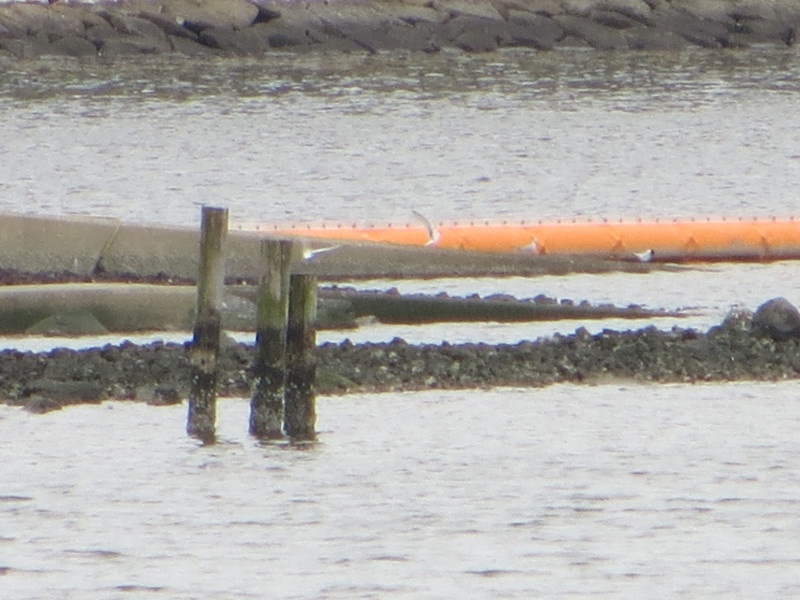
{"x": 763, "y": 346}
{"x": 257, "y": 27}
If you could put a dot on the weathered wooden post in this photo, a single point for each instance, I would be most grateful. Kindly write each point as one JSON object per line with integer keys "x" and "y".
{"x": 201, "y": 422}
{"x": 266, "y": 404}
{"x": 300, "y": 413}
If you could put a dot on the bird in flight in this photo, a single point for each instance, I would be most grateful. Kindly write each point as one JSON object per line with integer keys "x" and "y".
{"x": 434, "y": 235}
{"x": 311, "y": 253}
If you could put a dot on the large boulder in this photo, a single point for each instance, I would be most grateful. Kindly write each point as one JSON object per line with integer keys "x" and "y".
{"x": 591, "y": 33}
{"x": 533, "y": 30}
{"x": 197, "y": 15}
{"x": 241, "y": 43}
{"x": 777, "y": 318}
{"x": 64, "y": 392}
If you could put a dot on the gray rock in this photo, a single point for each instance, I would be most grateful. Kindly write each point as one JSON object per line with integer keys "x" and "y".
{"x": 412, "y": 13}
{"x": 52, "y": 44}
{"x": 700, "y": 31}
{"x": 239, "y": 43}
{"x": 40, "y": 18}
{"x": 638, "y": 10}
{"x": 19, "y": 48}
{"x": 539, "y": 7}
{"x": 40, "y": 405}
{"x": 280, "y": 40}
{"x": 11, "y": 26}
{"x": 219, "y": 14}
{"x": 613, "y": 20}
{"x": 97, "y": 34}
{"x": 474, "y": 8}
{"x": 650, "y": 38}
{"x": 363, "y": 24}
{"x": 293, "y": 30}
{"x": 594, "y": 34}
{"x": 404, "y": 35}
{"x": 168, "y": 25}
{"x": 300, "y": 29}
{"x": 777, "y": 318}
{"x": 476, "y": 34}
{"x": 252, "y": 27}
{"x": 765, "y": 26}
{"x": 133, "y": 25}
{"x": 65, "y": 392}
{"x": 129, "y": 45}
{"x": 160, "y": 395}
{"x": 189, "y": 47}
{"x": 534, "y": 31}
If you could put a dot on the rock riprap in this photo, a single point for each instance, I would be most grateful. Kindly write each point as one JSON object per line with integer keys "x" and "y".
{"x": 160, "y": 373}
{"x": 255, "y": 28}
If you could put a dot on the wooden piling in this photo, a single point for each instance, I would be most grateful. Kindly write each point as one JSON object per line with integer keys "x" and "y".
{"x": 300, "y": 412}
{"x": 266, "y": 404}
{"x": 201, "y": 422}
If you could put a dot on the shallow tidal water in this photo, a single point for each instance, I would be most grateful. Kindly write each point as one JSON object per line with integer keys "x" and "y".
{"x": 564, "y": 492}
{"x": 612, "y": 491}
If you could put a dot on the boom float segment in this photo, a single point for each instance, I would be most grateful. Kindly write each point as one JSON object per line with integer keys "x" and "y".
{"x": 673, "y": 241}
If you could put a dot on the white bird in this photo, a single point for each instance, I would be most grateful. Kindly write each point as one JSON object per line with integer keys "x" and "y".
{"x": 533, "y": 247}
{"x": 310, "y": 253}
{"x": 645, "y": 256}
{"x": 434, "y": 235}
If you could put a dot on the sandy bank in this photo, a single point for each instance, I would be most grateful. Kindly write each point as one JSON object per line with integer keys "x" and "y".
{"x": 258, "y": 27}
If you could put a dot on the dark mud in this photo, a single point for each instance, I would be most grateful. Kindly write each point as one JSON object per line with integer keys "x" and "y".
{"x": 159, "y": 373}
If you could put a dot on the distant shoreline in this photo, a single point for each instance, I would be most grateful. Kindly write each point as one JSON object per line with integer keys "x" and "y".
{"x": 30, "y": 30}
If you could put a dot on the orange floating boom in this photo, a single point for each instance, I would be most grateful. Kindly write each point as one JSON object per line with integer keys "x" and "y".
{"x": 657, "y": 240}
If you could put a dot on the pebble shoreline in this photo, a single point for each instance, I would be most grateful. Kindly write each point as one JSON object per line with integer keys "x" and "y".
{"x": 196, "y": 28}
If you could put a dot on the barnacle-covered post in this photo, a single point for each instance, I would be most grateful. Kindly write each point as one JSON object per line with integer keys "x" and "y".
{"x": 269, "y": 369}
{"x": 204, "y": 351}
{"x": 301, "y": 415}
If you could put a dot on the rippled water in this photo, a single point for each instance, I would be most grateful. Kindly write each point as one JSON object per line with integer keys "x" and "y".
{"x": 609, "y": 491}
{"x": 507, "y": 135}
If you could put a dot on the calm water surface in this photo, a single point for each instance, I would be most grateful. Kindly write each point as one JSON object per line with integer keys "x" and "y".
{"x": 610, "y": 491}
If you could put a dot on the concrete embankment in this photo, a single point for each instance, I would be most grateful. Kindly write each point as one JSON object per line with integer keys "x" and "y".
{"x": 106, "y": 270}
{"x": 257, "y": 27}
{"x": 78, "y": 309}
{"x": 86, "y": 245}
